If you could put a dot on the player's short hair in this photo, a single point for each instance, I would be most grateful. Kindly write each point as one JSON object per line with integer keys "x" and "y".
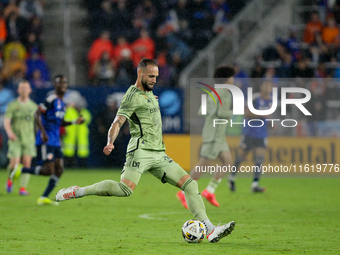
{"x": 225, "y": 71}
{"x": 58, "y": 76}
{"x": 267, "y": 81}
{"x": 24, "y": 81}
{"x": 145, "y": 62}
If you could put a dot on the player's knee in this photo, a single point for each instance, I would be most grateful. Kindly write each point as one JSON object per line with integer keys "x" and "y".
{"x": 190, "y": 186}
{"x": 112, "y": 188}
{"x": 127, "y": 191}
{"x": 48, "y": 169}
{"x": 259, "y": 159}
{"x": 59, "y": 171}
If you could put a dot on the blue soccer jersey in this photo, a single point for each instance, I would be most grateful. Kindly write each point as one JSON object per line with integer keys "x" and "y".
{"x": 256, "y": 130}
{"x": 53, "y": 109}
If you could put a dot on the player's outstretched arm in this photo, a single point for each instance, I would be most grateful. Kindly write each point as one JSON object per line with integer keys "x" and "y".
{"x": 39, "y": 125}
{"x": 113, "y": 133}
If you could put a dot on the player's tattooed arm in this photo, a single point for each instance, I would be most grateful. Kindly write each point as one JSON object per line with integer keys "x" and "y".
{"x": 114, "y": 129}
{"x": 113, "y": 133}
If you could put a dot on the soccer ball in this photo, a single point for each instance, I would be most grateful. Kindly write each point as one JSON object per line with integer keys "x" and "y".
{"x": 193, "y": 231}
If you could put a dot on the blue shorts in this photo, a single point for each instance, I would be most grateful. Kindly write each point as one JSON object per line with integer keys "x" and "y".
{"x": 248, "y": 143}
{"x": 46, "y": 153}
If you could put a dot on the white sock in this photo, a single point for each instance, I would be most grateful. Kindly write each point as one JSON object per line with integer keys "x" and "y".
{"x": 37, "y": 170}
{"x": 254, "y": 184}
{"x": 213, "y": 184}
{"x": 209, "y": 226}
{"x": 210, "y": 189}
{"x": 80, "y": 192}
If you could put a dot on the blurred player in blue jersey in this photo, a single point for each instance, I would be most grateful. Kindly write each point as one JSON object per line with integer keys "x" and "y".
{"x": 49, "y": 117}
{"x": 255, "y": 138}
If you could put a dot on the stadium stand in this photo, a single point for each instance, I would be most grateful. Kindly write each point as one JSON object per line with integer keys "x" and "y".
{"x": 312, "y": 45}
{"x": 310, "y": 48}
{"x": 170, "y": 31}
{"x": 21, "y": 46}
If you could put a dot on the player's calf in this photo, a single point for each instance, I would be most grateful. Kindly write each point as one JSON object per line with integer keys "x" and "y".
{"x": 104, "y": 188}
{"x": 107, "y": 188}
{"x": 16, "y": 172}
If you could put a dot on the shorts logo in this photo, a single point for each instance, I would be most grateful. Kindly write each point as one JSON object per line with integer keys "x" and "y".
{"x": 168, "y": 159}
{"x": 49, "y": 156}
{"x": 135, "y": 164}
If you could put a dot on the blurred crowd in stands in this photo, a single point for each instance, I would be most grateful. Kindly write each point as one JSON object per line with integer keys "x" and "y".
{"x": 310, "y": 54}
{"x": 21, "y": 47}
{"x": 310, "y": 50}
{"x": 170, "y": 31}
{"x": 122, "y": 31}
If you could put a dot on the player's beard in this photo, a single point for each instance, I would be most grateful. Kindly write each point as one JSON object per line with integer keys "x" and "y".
{"x": 145, "y": 85}
{"x": 60, "y": 93}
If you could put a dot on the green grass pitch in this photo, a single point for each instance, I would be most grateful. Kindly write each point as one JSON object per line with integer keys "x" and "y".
{"x": 294, "y": 216}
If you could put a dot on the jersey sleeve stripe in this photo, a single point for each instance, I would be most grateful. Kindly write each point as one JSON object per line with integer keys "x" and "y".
{"x": 130, "y": 96}
{"x": 51, "y": 97}
{"x": 42, "y": 107}
{"x": 123, "y": 114}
